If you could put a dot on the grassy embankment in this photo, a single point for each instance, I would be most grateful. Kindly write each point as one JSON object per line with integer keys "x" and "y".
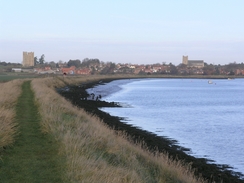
{"x": 93, "y": 152}
{"x": 33, "y": 157}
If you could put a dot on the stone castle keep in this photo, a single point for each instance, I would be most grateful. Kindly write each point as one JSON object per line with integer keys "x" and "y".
{"x": 28, "y": 59}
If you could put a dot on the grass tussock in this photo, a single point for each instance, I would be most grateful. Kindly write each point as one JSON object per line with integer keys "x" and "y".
{"x": 9, "y": 94}
{"x": 94, "y": 153}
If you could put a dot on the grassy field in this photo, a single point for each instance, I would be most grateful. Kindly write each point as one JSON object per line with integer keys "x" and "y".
{"x": 11, "y": 76}
{"x": 50, "y": 140}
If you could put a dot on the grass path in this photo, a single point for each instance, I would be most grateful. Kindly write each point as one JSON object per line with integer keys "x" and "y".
{"x": 34, "y": 155}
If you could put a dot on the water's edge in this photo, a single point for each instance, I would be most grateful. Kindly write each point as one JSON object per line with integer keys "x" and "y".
{"x": 210, "y": 171}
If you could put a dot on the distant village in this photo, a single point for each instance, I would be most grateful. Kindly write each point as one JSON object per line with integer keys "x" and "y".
{"x": 88, "y": 66}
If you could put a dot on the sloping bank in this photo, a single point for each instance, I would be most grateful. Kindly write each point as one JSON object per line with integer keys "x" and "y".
{"x": 154, "y": 143}
{"x": 94, "y": 152}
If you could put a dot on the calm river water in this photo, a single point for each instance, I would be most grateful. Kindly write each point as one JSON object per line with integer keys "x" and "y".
{"x": 207, "y": 118}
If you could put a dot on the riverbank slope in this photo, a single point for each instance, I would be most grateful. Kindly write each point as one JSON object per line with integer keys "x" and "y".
{"x": 94, "y": 152}
{"x": 209, "y": 171}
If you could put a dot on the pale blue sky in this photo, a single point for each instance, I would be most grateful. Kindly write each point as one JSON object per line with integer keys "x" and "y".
{"x": 128, "y": 31}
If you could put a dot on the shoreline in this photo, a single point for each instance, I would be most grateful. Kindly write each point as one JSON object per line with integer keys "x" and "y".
{"x": 211, "y": 172}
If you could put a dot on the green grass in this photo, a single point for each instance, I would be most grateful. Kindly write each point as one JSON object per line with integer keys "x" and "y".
{"x": 11, "y": 76}
{"x": 34, "y": 156}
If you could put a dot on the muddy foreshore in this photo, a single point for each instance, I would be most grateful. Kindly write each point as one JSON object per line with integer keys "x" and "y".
{"x": 203, "y": 167}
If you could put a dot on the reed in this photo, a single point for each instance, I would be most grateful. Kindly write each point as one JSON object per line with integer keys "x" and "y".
{"x": 9, "y": 94}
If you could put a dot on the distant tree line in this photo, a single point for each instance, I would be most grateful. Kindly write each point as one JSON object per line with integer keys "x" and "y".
{"x": 85, "y": 62}
{"x": 41, "y": 60}
{"x": 9, "y": 64}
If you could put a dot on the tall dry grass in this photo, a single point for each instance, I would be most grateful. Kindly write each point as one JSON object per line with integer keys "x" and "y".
{"x": 9, "y": 93}
{"x": 94, "y": 153}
